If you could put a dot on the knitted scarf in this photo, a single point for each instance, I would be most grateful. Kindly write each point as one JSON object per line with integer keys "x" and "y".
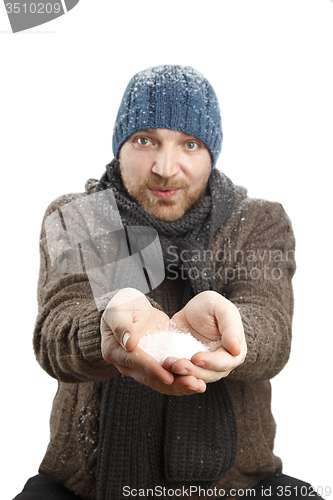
{"x": 194, "y": 439}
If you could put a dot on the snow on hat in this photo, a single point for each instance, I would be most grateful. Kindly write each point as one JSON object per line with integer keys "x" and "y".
{"x": 173, "y": 97}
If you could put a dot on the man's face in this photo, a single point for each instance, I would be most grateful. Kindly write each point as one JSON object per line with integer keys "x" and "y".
{"x": 164, "y": 171}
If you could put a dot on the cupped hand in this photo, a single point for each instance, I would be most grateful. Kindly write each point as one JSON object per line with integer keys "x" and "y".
{"x": 128, "y": 316}
{"x": 211, "y": 319}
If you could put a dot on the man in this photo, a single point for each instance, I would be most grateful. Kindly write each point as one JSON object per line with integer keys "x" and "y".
{"x": 124, "y": 424}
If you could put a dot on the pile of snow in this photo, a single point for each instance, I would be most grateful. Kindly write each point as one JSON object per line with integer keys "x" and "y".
{"x": 171, "y": 342}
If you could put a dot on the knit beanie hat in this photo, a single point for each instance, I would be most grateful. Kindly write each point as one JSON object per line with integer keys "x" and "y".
{"x": 173, "y": 97}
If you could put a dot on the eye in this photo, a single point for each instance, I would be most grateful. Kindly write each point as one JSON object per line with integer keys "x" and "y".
{"x": 143, "y": 141}
{"x": 191, "y": 146}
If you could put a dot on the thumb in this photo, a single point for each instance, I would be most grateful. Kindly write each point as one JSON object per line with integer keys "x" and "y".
{"x": 121, "y": 327}
{"x": 231, "y": 328}
{"x": 231, "y": 342}
{"x": 118, "y": 317}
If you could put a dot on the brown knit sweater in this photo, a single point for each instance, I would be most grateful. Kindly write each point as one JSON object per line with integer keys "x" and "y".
{"x": 253, "y": 259}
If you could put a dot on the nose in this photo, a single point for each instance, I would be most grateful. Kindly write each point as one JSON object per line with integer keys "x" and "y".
{"x": 166, "y": 163}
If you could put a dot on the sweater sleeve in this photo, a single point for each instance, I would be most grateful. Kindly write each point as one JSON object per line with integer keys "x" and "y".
{"x": 257, "y": 271}
{"x": 67, "y": 341}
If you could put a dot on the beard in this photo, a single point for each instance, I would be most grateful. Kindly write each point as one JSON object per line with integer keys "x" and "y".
{"x": 169, "y": 209}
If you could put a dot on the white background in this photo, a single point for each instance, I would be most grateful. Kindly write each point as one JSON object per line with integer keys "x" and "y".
{"x": 270, "y": 63}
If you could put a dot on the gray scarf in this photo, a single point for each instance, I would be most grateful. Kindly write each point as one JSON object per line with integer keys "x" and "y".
{"x": 195, "y": 439}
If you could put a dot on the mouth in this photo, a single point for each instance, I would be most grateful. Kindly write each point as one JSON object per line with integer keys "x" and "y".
{"x": 164, "y": 192}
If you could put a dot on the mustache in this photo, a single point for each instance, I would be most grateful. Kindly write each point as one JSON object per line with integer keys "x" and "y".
{"x": 163, "y": 184}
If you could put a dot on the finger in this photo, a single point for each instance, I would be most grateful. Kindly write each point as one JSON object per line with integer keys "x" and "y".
{"x": 130, "y": 341}
{"x": 126, "y": 339}
{"x": 188, "y": 385}
{"x": 121, "y": 315}
{"x": 118, "y": 323}
{"x": 182, "y": 366}
{"x": 185, "y": 368}
{"x": 231, "y": 340}
{"x": 168, "y": 363}
{"x": 231, "y": 328}
{"x": 218, "y": 361}
{"x": 145, "y": 364}
{"x": 182, "y": 386}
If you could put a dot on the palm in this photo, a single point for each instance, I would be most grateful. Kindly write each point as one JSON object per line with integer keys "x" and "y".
{"x": 199, "y": 319}
{"x": 150, "y": 322}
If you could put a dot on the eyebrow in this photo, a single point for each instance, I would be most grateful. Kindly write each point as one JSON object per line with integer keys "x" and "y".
{"x": 152, "y": 130}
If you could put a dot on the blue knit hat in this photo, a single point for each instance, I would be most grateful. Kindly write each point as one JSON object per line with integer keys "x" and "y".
{"x": 173, "y": 97}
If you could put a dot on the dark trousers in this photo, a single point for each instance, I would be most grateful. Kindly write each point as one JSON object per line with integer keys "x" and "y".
{"x": 274, "y": 487}
{"x": 42, "y": 488}
{"x": 278, "y": 486}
